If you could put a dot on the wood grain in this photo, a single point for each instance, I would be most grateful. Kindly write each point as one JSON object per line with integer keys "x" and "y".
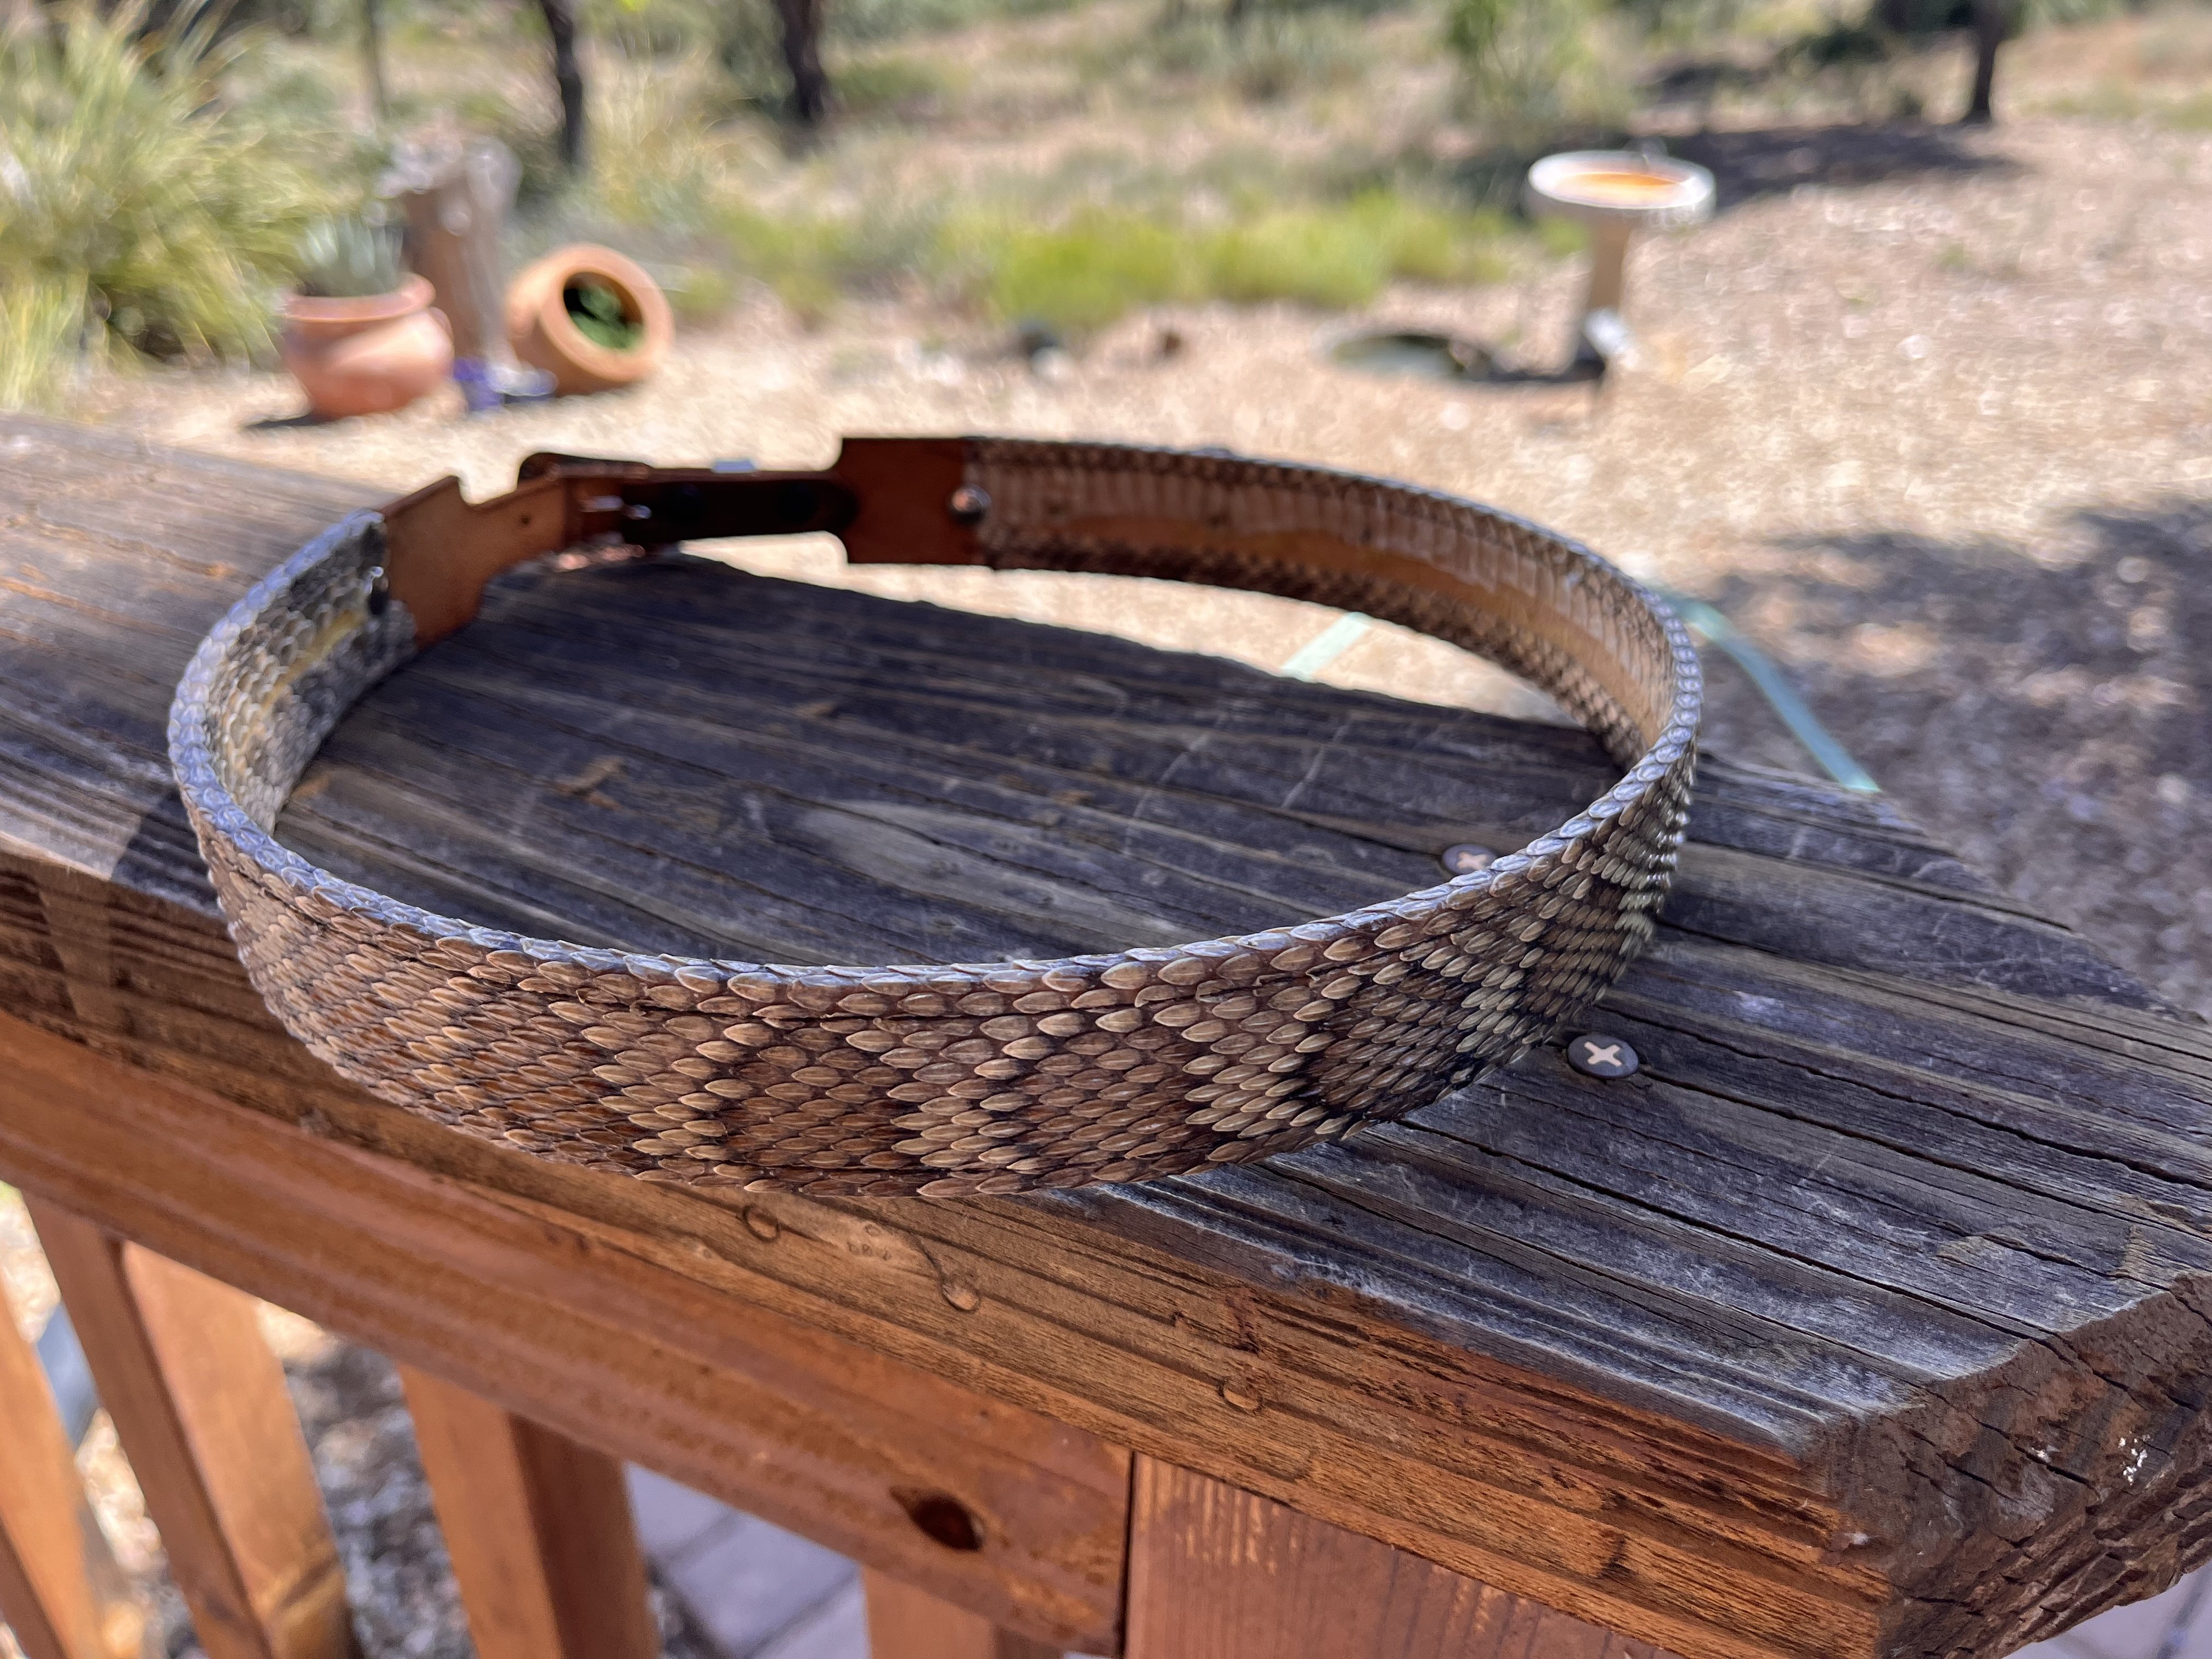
{"x": 1869, "y": 1321}
{"x": 1217, "y": 1573}
{"x": 585, "y": 1333}
{"x": 906, "y": 1623}
{"x": 538, "y": 1529}
{"x": 199, "y": 1404}
{"x": 46, "y": 1595}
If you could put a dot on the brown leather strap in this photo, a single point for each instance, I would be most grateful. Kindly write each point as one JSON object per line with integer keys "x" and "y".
{"x": 890, "y": 500}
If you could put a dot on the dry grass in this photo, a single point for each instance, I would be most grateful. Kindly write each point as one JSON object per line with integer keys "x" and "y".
{"x": 138, "y": 209}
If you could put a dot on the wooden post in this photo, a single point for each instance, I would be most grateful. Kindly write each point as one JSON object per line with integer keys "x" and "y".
{"x": 1993, "y": 20}
{"x": 905, "y": 1623}
{"x": 1218, "y": 1573}
{"x": 47, "y": 1595}
{"x": 567, "y": 79}
{"x": 456, "y": 200}
{"x": 371, "y": 49}
{"x": 538, "y": 1529}
{"x": 799, "y": 26}
{"x": 199, "y": 1404}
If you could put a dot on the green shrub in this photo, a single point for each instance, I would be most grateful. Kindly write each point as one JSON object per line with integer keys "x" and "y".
{"x": 655, "y": 28}
{"x": 1310, "y": 255}
{"x": 349, "y": 258}
{"x": 2189, "y": 114}
{"x": 1270, "y": 53}
{"x": 41, "y": 320}
{"x": 139, "y": 209}
{"x": 1081, "y": 276}
{"x": 659, "y": 164}
{"x": 889, "y": 83}
{"x": 1276, "y": 54}
{"x": 1427, "y": 244}
{"x": 1534, "y": 70}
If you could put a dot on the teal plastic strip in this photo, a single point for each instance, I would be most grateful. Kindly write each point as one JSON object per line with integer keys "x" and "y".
{"x": 1326, "y": 647}
{"x": 1804, "y": 725}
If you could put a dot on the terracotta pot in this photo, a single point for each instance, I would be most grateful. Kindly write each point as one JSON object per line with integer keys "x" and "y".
{"x": 546, "y": 337}
{"x": 369, "y": 355}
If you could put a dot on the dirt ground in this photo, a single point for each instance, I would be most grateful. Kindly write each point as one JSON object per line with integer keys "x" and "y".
{"x": 1926, "y": 411}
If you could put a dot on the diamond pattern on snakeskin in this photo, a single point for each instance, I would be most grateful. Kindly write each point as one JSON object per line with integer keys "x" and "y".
{"x": 1000, "y": 1077}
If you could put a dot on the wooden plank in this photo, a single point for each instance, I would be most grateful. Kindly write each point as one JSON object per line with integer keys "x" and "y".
{"x": 905, "y": 1623}
{"x": 1217, "y": 1573}
{"x": 538, "y": 1529}
{"x": 600, "y": 1342}
{"x": 1499, "y": 1335}
{"x": 199, "y": 1404}
{"x": 47, "y": 1597}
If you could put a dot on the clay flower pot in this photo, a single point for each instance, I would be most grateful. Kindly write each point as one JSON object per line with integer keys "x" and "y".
{"x": 542, "y": 327}
{"x": 369, "y": 355}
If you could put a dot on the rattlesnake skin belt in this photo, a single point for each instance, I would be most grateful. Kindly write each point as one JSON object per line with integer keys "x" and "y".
{"x": 926, "y": 1077}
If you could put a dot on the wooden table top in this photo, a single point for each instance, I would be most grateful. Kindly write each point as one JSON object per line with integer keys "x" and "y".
{"x": 1868, "y": 1319}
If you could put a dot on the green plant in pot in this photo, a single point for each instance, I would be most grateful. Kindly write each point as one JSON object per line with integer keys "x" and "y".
{"x": 360, "y": 335}
{"x": 601, "y": 316}
{"x": 349, "y": 258}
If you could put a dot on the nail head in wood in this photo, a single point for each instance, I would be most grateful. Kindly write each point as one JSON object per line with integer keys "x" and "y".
{"x": 1466, "y": 859}
{"x": 968, "y": 504}
{"x": 1595, "y": 1055}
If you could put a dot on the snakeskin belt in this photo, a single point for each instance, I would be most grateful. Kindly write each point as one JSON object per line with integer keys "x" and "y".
{"x": 987, "y": 1078}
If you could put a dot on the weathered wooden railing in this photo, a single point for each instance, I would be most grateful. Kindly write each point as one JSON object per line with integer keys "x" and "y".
{"x": 1866, "y": 1322}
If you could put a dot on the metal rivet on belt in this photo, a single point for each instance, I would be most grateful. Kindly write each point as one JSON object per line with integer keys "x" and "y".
{"x": 1599, "y": 1055}
{"x": 1466, "y": 859}
{"x": 968, "y": 504}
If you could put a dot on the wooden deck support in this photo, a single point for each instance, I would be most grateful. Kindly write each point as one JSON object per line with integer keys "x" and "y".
{"x": 538, "y": 1529}
{"x": 199, "y": 1404}
{"x": 1217, "y": 1573}
{"x": 47, "y": 1596}
{"x": 906, "y": 1623}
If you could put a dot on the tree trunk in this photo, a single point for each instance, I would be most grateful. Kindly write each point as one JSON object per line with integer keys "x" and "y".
{"x": 801, "y": 21}
{"x": 561, "y": 24}
{"x": 1992, "y": 23}
{"x": 372, "y": 47}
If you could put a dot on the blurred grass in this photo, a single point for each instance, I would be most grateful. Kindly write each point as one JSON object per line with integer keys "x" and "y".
{"x": 712, "y": 206}
{"x": 140, "y": 213}
{"x": 1010, "y": 162}
{"x": 2115, "y": 101}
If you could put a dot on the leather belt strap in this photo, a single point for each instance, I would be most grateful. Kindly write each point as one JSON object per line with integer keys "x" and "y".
{"x": 928, "y": 1078}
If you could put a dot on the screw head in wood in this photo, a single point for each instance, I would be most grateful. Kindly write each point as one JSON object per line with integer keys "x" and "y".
{"x": 968, "y": 504}
{"x": 1595, "y": 1055}
{"x": 1466, "y": 859}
